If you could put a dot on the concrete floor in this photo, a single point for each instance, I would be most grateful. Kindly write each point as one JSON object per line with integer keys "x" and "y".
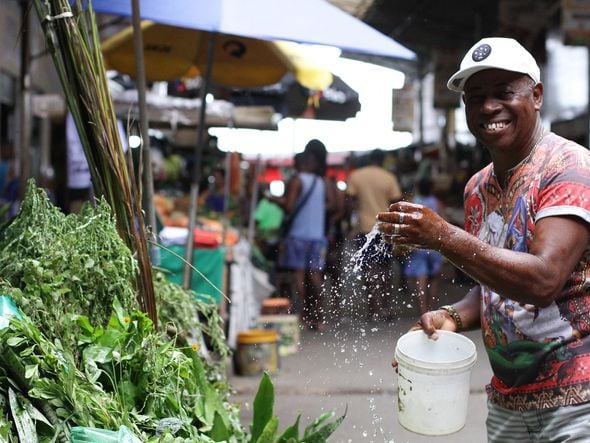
{"x": 348, "y": 368}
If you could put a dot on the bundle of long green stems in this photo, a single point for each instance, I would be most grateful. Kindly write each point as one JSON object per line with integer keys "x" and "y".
{"x": 73, "y": 41}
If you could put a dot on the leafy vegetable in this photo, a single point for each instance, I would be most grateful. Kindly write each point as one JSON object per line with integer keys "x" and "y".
{"x": 263, "y": 407}
{"x": 189, "y": 314}
{"x": 74, "y": 44}
{"x": 265, "y": 425}
{"x": 56, "y": 265}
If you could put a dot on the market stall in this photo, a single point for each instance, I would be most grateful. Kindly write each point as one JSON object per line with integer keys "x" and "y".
{"x": 208, "y": 260}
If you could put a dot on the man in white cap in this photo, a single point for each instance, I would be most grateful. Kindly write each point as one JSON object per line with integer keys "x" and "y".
{"x": 525, "y": 243}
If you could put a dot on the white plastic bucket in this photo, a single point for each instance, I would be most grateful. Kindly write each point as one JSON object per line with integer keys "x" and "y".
{"x": 433, "y": 381}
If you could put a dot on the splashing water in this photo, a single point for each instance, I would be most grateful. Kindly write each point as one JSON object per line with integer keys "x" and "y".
{"x": 373, "y": 249}
{"x": 365, "y": 278}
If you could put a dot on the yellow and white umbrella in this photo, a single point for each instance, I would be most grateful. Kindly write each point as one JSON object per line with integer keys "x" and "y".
{"x": 171, "y": 53}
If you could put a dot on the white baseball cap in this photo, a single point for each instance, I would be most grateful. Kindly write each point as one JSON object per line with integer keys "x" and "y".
{"x": 495, "y": 53}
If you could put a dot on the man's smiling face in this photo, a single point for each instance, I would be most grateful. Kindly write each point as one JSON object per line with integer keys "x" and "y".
{"x": 502, "y": 109}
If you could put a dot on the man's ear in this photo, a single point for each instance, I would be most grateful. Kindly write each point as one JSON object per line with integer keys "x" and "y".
{"x": 538, "y": 95}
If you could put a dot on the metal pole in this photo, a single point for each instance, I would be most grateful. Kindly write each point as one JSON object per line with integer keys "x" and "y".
{"x": 45, "y": 170}
{"x": 23, "y": 154}
{"x": 198, "y": 154}
{"x": 254, "y": 200}
{"x": 147, "y": 177}
{"x": 226, "y": 194}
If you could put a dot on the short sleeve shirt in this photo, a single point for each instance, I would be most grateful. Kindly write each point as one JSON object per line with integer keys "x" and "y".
{"x": 374, "y": 188}
{"x": 540, "y": 356}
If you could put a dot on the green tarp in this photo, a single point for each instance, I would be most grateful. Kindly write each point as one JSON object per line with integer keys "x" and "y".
{"x": 209, "y": 262}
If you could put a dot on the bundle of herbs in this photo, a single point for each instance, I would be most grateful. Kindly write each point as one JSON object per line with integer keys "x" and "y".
{"x": 64, "y": 265}
{"x": 129, "y": 375}
{"x": 83, "y": 353}
{"x": 73, "y": 41}
{"x": 196, "y": 322}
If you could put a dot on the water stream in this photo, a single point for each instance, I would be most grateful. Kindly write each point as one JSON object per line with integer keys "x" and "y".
{"x": 365, "y": 272}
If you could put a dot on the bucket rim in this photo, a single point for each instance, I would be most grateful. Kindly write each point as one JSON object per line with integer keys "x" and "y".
{"x": 256, "y": 336}
{"x": 426, "y": 365}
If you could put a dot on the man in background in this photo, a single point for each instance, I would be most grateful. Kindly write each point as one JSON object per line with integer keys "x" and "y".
{"x": 79, "y": 179}
{"x": 8, "y": 182}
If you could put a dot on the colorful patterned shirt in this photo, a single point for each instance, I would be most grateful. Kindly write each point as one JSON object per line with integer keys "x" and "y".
{"x": 540, "y": 356}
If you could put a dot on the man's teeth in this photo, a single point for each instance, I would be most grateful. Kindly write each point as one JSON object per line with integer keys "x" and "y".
{"x": 493, "y": 126}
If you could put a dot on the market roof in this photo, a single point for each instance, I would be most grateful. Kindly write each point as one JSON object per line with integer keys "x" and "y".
{"x": 429, "y": 27}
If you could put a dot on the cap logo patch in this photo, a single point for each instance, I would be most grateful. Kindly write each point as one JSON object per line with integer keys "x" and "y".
{"x": 481, "y": 52}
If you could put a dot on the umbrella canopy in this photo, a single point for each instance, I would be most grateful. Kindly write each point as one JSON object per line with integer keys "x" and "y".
{"x": 303, "y": 21}
{"x": 171, "y": 52}
{"x": 338, "y": 101}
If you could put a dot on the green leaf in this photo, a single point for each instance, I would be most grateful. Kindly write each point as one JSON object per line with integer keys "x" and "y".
{"x": 37, "y": 415}
{"x": 210, "y": 401}
{"x": 31, "y": 371}
{"x": 15, "y": 341}
{"x": 263, "y": 407}
{"x": 219, "y": 432}
{"x": 84, "y": 323}
{"x": 27, "y": 352}
{"x": 98, "y": 354}
{"x": 122, "y": 315}
{"x": 23, "y": 421}
{"x": 111, "y": 337}
{"x": 292, "y": 432}
{"x": 321, "y": 434}
{"x": 55, "y": 401}
{"x": 62, "y": 413}
{"x": 128, "y": 392}
{"x": 269, "y": 432}
{"x": 314, "y": 426}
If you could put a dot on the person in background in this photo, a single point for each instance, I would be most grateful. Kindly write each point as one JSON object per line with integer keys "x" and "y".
{"x": 335, "y": 216}
{"x": 268, "y": 217}
{"x": 215, "y": 196}
{"x": 304, "y": 248}
{"x": 79, "y": 181}
{"x": 334, "y": 204}
{"x": 8, "y": 182}
{"x": 371, "y": 189}
{"x": 422, "y": 267}
{"x": 525, "y": 243}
